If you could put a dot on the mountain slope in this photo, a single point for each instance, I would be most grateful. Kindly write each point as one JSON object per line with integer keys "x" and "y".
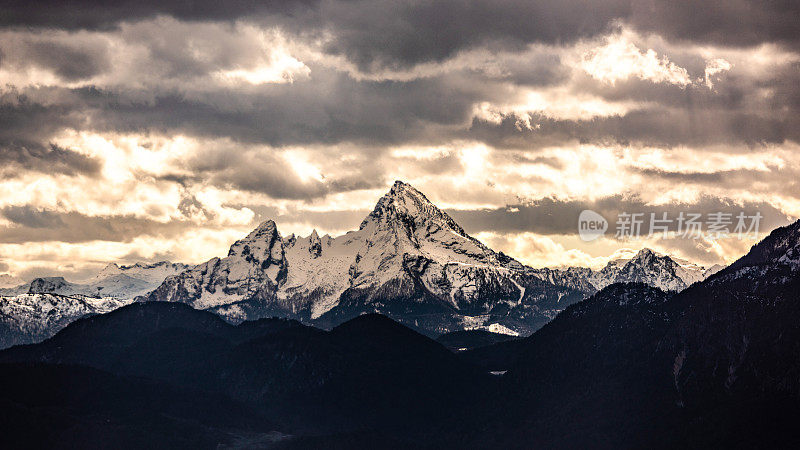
{"x": 718, "y": 361}
{"x": 368, "y": 373}
{"x": 78, "y": 407}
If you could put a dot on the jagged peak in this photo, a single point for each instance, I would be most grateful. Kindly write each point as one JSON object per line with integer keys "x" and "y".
{"x": 647, "y": 254}
{"x": 266, "y": 230}
{"x": 314, "y": 244}
{"x": 265, "y": 226}
{"x": 263, "y": 237}
{"x": 54, "y": 279}
{"x": 404, "y": 202}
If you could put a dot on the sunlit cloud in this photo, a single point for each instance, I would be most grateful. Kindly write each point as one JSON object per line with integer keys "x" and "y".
{"x": 619, "y": 59}
{"x": 184, "y": 134}
{"x": 714, "y": 67}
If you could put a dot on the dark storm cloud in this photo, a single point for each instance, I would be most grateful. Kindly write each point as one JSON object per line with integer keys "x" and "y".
{"x": 24, "y": 118}
{"x": 330, "y": 109}
{"x": 773, "y": 179}
{"x": 274, "y": 178}
{"x": 549, "y": 161}
{"x": 26, "y": 128}
{"x": 388, "y": 33}
{"x": 716, "y": 178}
{"x": 93, "y": 14}
{"x": 31, "y": 224}
{"x": 556, "y": 217}
{"x": 31, "y": 217}
{"x": 723, "y": 22}
{"x": 652, "y": 126}
{"x": 69, "y": 63}
{"x": 16, "y": 155}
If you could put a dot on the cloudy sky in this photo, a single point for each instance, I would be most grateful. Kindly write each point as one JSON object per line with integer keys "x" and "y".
{"x": 141, "y": 131}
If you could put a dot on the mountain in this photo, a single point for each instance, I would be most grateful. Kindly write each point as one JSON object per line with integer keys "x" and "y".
{"x": 743, "y": 319}
{"x": 29, "y": 318}
{"x": 408, "y": 260}
{"x": 37, "y": 310}
{"x": 368, "y": 373}
{"x": 633, "y": 366}
{"x": 54, "y": 406}
{"x": 655, "y": 269}
{"x": 717, "y": 361}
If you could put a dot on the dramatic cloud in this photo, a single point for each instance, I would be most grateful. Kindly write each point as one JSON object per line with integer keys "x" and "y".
{"x": 141, "y": 130}
{"x": 33, "y": 225}
{"x": 15, "y": 155}
{"x": 406, "y": 32}
{"x": 550, "y": 216}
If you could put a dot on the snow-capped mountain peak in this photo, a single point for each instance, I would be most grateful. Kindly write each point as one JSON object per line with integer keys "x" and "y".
{"x": 109, "y": 270}
{"x": 263, "y": 244}
{"x": 405, "y": 247}
{"x": 404, "y": 204}
{"x": 653, "y": 268}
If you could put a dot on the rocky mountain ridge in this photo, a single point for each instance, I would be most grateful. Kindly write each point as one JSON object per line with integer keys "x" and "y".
{"x": 408, "y": 260}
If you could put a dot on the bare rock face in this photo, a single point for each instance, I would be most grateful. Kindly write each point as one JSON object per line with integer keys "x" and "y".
{"x": 314, "y": 245}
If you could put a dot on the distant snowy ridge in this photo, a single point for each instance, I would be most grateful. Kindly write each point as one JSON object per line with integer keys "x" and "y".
{"x": 30, "y": 318}
{"x": 655, "y": 269}
{"x": 37, "y": 310}
{"x": 122, "y": 282}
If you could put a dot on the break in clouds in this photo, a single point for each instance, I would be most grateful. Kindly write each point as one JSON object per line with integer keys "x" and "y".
{"x": 145, "y": 130}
